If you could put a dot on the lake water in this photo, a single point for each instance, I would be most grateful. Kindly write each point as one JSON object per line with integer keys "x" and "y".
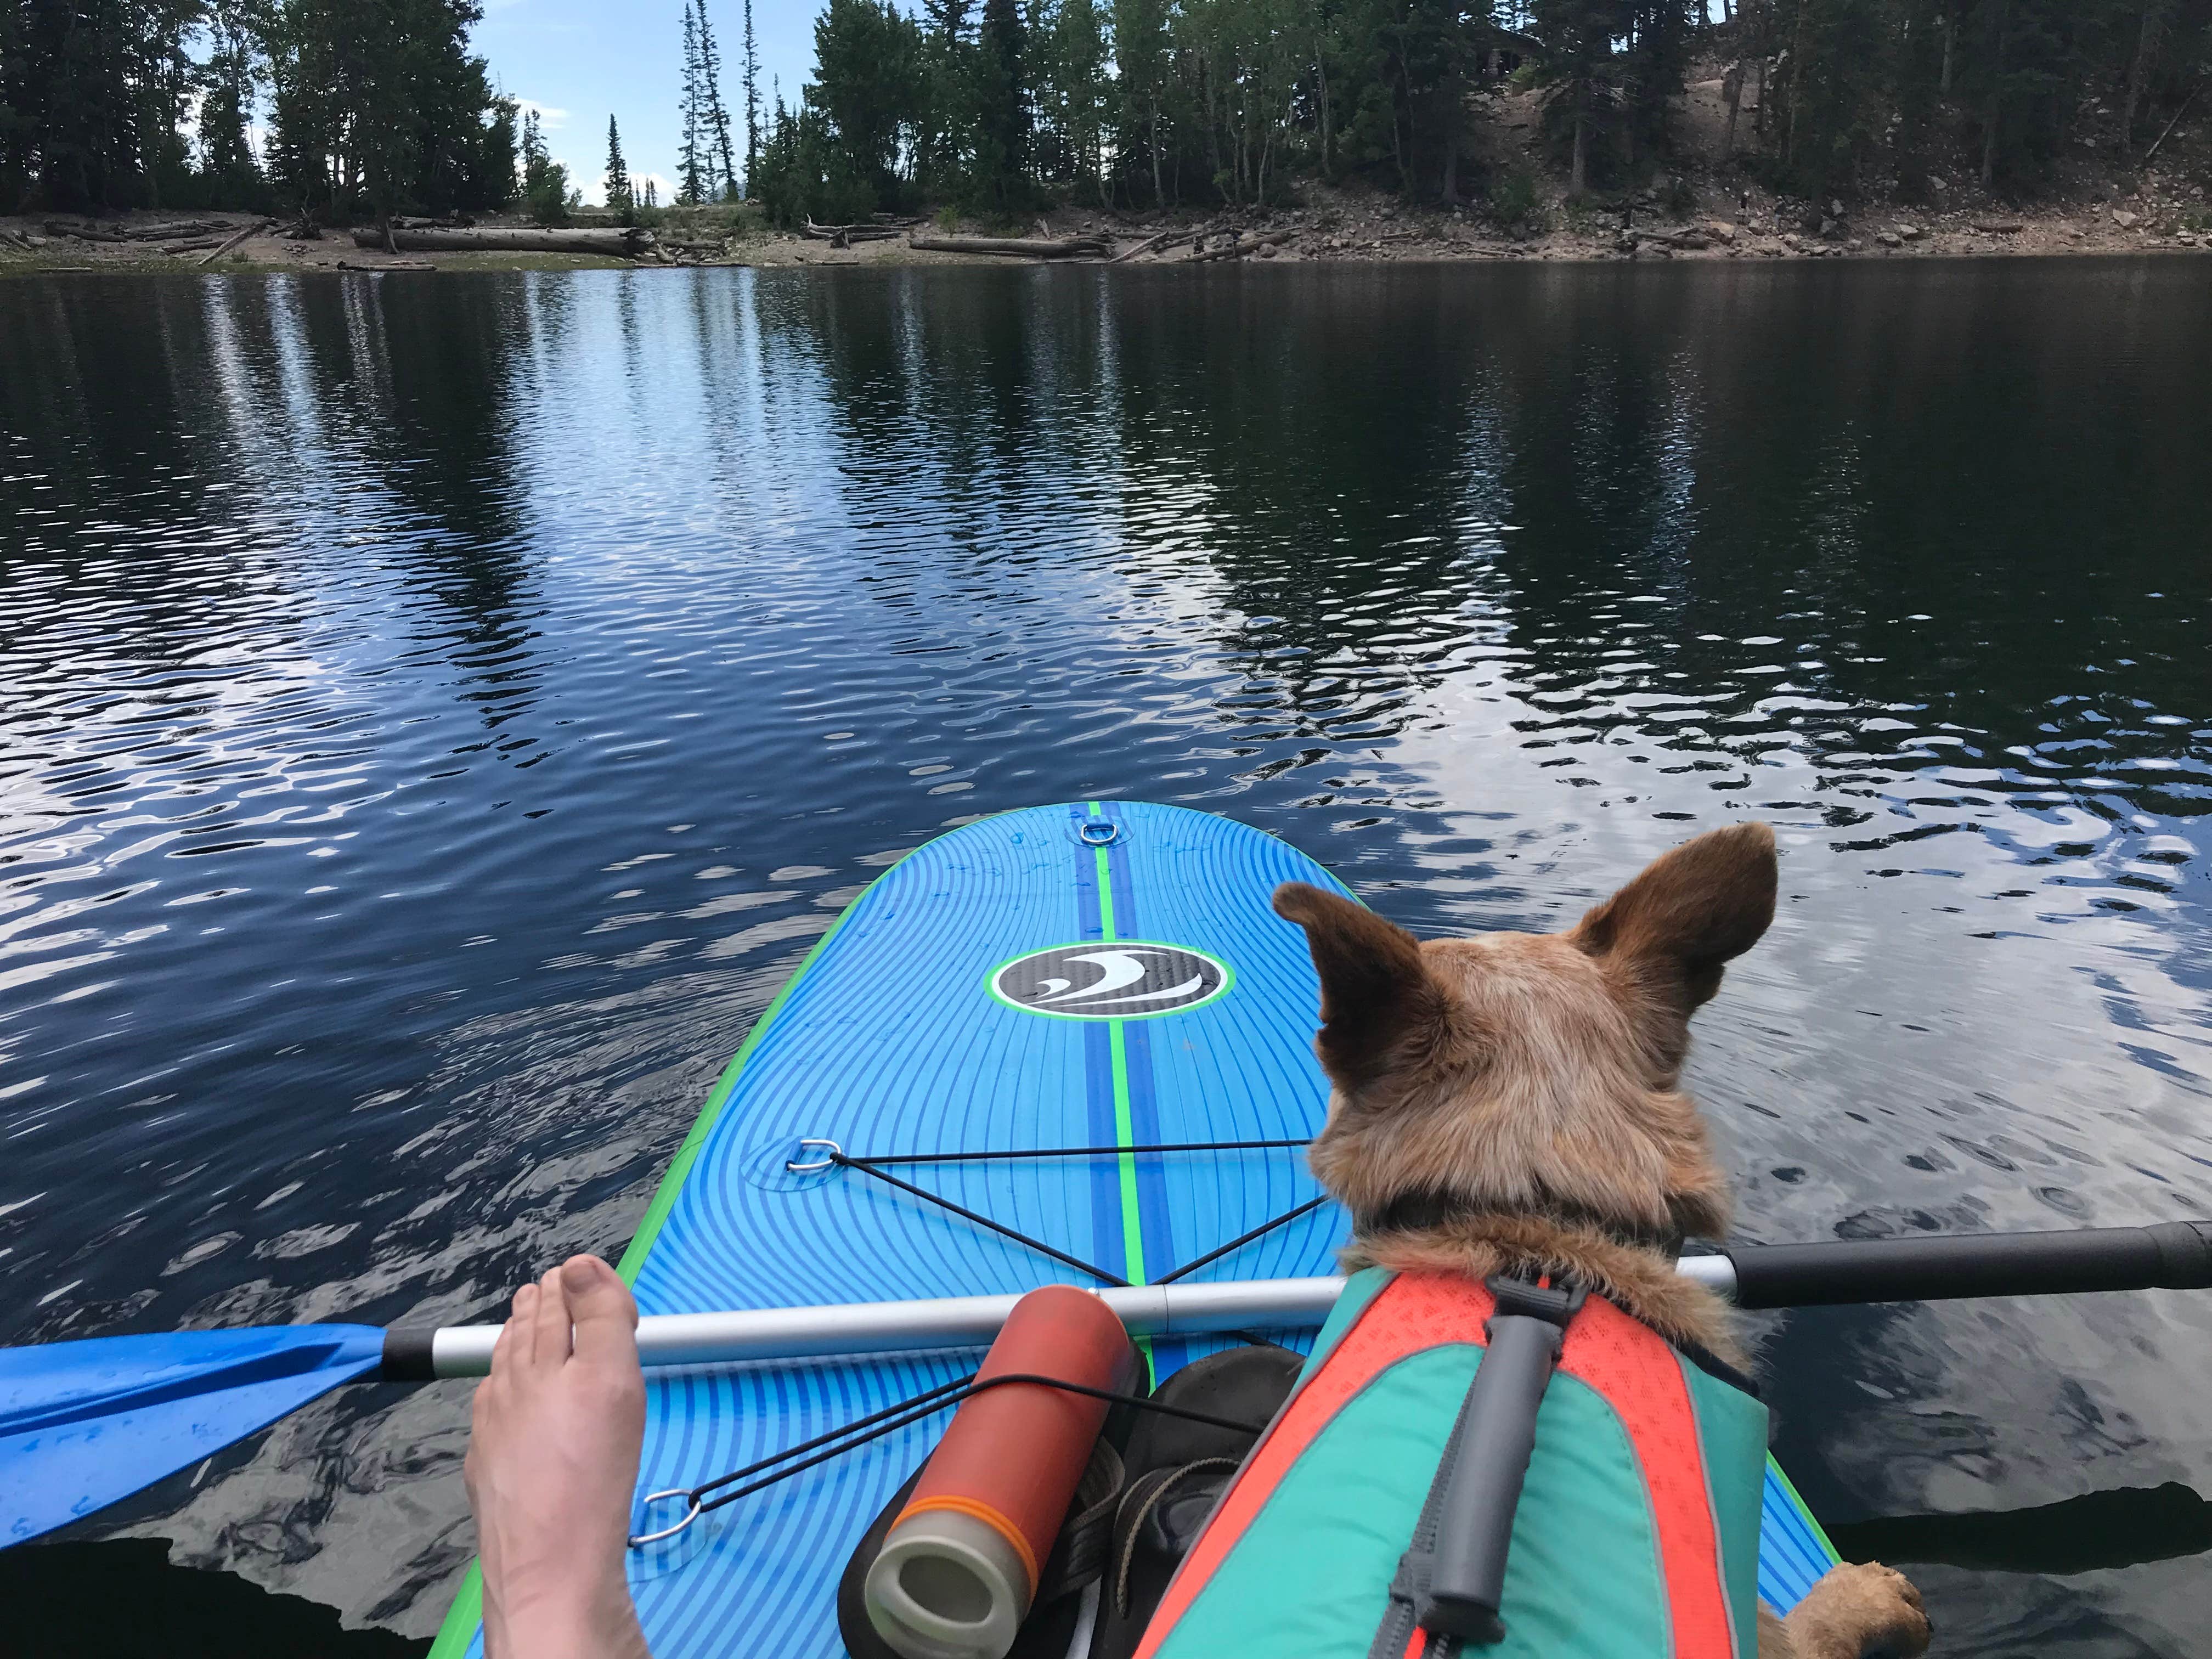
{"x": 437, "y": 711}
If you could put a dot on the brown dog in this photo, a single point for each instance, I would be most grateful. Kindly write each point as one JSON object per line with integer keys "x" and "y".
{"x": 1514, "y": 1101}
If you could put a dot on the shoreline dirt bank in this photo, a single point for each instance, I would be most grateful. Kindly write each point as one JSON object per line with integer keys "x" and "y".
{"x": 1349, "y": 230}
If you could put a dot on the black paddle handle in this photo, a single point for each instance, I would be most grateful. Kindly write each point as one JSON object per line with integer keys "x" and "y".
{"x": 407, "y": 1355}
{"x": 2171, "y": 1255}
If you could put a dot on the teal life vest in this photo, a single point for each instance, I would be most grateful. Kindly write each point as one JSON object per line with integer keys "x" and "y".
{"x": 1637, "y": 1532}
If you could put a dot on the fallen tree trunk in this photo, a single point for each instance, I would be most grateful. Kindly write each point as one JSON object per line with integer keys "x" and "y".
{"x": 1031, "y": 247}
{"x": 258, "y": 225}
{"x": 192, "y": 244}
{"x": 1999, "y": 227}
{"x": 1159, "y": 244}
{"x": 83, "y": 233}
{"x": 173, "y": 227}
{"x": 849, "y": 233}
{"x": 1693, "y": 237}
{"x": 623, "y": 244}
{"x": 1242, "y": 245}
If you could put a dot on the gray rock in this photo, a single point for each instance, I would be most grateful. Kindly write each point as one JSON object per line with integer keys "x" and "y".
{"x": 1889, "y": 239}
{"x": 2126, "y": 220}
{"x": 1911, "y": 233}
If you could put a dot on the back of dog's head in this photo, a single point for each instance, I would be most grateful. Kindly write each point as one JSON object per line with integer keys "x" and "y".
{"x": 1516, "y": 1070}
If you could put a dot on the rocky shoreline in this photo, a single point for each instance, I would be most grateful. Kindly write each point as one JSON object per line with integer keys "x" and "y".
{"x": 1347, "y": 230}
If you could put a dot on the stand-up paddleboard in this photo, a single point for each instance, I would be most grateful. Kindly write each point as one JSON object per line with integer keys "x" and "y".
{"x": 1107, "y": 975}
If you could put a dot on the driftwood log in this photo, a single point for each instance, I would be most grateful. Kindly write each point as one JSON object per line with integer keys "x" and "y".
{"x": 1159, "y": 244}
{"x": 839, "y": 235}
{"x": 624, "y": 244}
{"x": 83, "y": 232}
{"x": 1243, "y": 245}
{"x": 174, "y": 227}
{"x": 1999, "y": 227}
{"x": 1028, "y": 247}
{"x": 258, "y": 225}
{"x": 1696, "y": 236}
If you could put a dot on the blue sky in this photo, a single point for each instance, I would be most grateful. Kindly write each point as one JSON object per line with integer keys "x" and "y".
{"x": 580, "y": 61}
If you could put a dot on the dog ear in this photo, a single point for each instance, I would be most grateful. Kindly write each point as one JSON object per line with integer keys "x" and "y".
{"x": 1690, "y": 912}
{"x": 1375, "y": 991}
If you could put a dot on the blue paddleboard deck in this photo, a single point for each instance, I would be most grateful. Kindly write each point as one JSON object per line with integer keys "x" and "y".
{"x": 1096, "y": 975}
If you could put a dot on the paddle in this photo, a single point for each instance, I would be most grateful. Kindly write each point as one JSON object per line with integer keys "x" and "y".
{"x": 85, "y": 1423}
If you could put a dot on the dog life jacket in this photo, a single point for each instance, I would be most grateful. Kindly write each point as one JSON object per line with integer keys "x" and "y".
{"x": 1637, "y": 1532}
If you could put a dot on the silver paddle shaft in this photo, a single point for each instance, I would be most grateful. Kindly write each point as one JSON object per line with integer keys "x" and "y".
{"x": 957, "y": 1322}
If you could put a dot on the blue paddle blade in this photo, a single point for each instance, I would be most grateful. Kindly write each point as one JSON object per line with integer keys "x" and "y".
{"x": 84, "y": 1424}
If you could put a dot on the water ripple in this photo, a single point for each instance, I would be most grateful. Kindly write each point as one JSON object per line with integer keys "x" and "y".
{"x": 435, "y": 716}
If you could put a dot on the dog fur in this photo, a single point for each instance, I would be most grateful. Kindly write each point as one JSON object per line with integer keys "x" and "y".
{"x": 1527, "y": 1088}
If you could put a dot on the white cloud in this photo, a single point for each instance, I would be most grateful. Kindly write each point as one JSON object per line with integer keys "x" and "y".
{"x": 550, "y": 118}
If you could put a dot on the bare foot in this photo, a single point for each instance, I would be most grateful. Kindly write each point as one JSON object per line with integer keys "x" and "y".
{"x": 552, "y": 1459}
{"x": 1859, "y": 1610}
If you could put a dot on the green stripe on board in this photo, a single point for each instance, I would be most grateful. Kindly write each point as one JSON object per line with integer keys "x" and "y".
{"x": 467, "y": 1610}
{"x": 1125, "y": 1133}
{"x": 664, "y": 1199}
{"x": 462, "y": 1618}
{"x": 1817, "y": 1531}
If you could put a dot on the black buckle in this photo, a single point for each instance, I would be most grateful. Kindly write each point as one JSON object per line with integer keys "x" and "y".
{"x": 1556, "y": 1304}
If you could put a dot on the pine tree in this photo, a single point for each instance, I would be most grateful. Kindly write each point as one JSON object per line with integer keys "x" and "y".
{"x": 691, "y": 160}
{"x": 715, "y": 116}
{"x": 1578, "y": 37}
{"x": 620, "y": 199}
{"x": 752, "y": 101}
{"x": 1002, "y": 106}
{"x": 948, "y": 87}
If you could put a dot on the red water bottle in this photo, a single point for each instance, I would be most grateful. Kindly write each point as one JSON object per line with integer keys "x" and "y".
{"x": 959, "y": 1567}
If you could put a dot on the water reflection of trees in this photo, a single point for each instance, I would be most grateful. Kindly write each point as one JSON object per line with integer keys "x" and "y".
{"x": 1881, "y": 490}
{"x": 395, "y": 395}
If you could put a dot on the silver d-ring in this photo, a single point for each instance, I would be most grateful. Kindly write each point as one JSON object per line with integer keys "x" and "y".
{"x": 690, "y": 1515}
{"x": 1098, "y": 832}
{"x": 829, "y": 1163}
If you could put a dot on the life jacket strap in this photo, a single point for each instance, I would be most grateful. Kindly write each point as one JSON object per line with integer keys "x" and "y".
{"x": 1450, "y": 1581}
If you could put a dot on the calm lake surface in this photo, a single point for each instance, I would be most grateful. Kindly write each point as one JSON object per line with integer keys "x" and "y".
{"x": 436, "y": 713}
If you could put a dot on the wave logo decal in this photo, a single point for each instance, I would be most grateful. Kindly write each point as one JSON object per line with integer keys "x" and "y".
{"x": 1120, "y": 980}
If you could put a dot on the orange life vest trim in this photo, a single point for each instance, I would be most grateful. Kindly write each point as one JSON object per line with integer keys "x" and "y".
{"x": 1636, "y": 1373}
{"x": 1628, "y": 1365}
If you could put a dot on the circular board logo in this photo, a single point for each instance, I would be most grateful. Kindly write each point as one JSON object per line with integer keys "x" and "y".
{"x": 1117, "y": 981}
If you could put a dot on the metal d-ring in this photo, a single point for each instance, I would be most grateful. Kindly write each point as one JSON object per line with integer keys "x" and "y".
{"x": 829, "y": 1163}
{"x": 1099, "y": 832}
{"x": 690, "y": 1515}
